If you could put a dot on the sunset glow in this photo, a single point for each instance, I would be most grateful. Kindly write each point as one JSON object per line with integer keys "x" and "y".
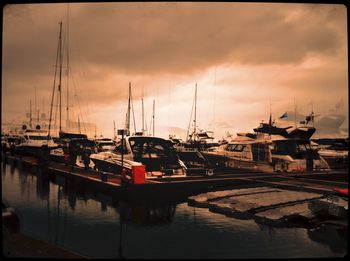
{"x": 247, "y": 59}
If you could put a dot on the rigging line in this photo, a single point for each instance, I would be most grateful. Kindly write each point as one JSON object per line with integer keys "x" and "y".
{"x": 81, "y": 114}
{"x": 133, "y": 113}
{"x": 189, "y": 125}
{"x": 56, "y": 111}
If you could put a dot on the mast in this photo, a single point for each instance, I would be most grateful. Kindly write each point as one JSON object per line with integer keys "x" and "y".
{"x": 114, "y": 130}
{"x": 67, "y": 69}
{"x": 154, "y": 104}
{"x": 295, "y": 114}
{"x": 143, "y": 117}
{"x": 79, "y": 129}
{"x": 53, "y": 88}
{"x": 30, "y": 114}
{"x": 127, "y": 125}
{"x": 195, "y": 110}
{"x": 60, "y": 77}
{"x": 35, "y": 108}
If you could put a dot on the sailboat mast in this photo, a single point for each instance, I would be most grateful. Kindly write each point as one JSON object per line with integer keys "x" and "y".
{"x": 60, "y": 77}
{"x": 79, "y": 125}
{"x": 114, "y": 130}
{"x": 295, "y": 114}
{"x": 195, "y": 110}
{"x": 67, "y": 51}
{"x": 127, "y": 126}
{"x": 143, "y": 117}
{"x": 36, "y": 111}
{"x": 154, "y": 104}
{"x": 30, "y": 114}
{"x": 53, "y": 89}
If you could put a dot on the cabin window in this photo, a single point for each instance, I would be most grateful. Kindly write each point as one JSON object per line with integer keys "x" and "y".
{"x": 246, "y": 149}
{"x": 260, "y": 152}
{"x": 149, "y": 149}
{"x": 239, "y": 147}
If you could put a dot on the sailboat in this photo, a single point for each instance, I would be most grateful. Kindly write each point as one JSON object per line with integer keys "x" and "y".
{"x": 157, "y": 154}
{"x": 64, "y": 137}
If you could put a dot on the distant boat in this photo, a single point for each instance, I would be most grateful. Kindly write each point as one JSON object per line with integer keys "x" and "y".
{"x": 104, "y": 144}
{"x": 198, "y": 139}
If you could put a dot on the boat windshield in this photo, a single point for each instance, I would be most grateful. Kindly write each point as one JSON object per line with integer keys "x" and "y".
{"x": 32, "y": 137}
{"x": 236, "y": 147}
{"x": 150, "y": 148}
{"x": 105, "y": 143}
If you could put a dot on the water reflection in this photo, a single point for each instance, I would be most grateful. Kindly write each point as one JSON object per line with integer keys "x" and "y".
{"x": 74, "y": 216}
{"x": 331, "y": 236}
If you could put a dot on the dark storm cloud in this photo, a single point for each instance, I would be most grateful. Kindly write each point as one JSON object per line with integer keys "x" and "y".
{"x": 113, "y": 43}
{"x": 167, "y": 37}
{"x": 181, "y": 38}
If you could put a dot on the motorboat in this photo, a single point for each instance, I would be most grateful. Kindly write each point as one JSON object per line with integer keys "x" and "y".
{"x": 157, "y": 155}
{"x": 8, "y": 142}
{"x": 334, "y": 151}
{"x": 242, "y": 153}
{"x": 295, "y": 155}
{"x": 104, "y": 144}
{"x": 267, "y": 153}
{"x": 34, "y": 140}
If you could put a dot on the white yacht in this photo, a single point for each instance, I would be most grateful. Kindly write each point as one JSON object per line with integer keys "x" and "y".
{"x": 33, "y": 142}
{"x": 157, "y": 154}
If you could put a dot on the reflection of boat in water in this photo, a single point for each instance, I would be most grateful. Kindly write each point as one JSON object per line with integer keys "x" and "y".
{"x": 334, "y": 206}
{"x": 146, "y": 214}
{"x": 10, "y": 219}
{"x": 157, "y": 154}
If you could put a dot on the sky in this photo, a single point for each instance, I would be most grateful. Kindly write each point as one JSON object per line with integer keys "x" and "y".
{"x": 247, "y": 59}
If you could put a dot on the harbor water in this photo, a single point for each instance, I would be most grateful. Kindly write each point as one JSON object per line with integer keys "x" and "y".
{"x": 96, "y": 225}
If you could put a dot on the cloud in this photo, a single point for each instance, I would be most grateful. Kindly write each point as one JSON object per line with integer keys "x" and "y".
{"x": 300, "y": 49}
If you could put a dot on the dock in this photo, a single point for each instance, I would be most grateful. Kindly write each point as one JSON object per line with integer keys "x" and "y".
{"x": 267, "y": 205}
{"x": 182, "y": 187}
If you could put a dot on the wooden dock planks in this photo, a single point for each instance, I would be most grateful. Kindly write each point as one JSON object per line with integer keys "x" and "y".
{"x": 268, "y": 205}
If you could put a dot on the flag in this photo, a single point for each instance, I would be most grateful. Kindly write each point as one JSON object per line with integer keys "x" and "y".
{"x": 270, "y": 121}
{"x": 284, "y": 115}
